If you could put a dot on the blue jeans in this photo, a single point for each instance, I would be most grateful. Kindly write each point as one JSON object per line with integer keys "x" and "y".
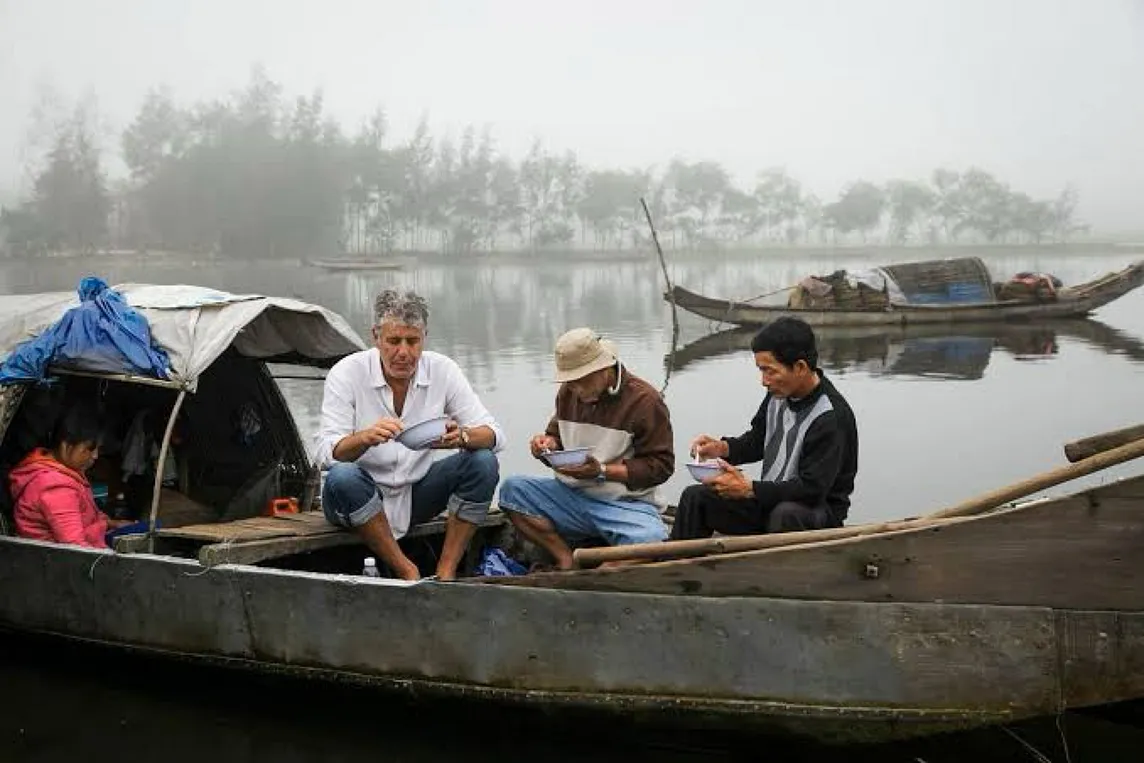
{"x": 578, "y": 516}
{"x": 463, "y": 483}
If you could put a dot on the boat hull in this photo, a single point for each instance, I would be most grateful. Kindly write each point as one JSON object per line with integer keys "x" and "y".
{"x": 356, "y": 265}
{"x": 842, "y": 671}
{"x": 1074, "y": 302}
{"x": 879, "y": 349}
{"x": 1070, "y": 552}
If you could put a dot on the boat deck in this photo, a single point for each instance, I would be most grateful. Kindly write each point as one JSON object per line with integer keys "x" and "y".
{"x": 248, "y": 541}
{"x": 305, "y": 523}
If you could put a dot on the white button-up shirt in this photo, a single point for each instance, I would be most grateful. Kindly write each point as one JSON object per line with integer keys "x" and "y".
{"x": 356, "y": 395}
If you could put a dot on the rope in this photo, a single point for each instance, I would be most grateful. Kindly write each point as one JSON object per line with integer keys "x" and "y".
{"x": 1039, "y": 756}
{"x": 768, "y": 294}
{"x": 91, "y": 570}
{"x": 206, "y": 568}
{"x": 1064, "y": 742}
{"x": 731, "y": 304}
{"x": 225, "y": 545}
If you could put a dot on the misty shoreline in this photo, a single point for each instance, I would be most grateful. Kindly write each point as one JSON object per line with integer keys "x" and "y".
{"x": 549, "y": 256}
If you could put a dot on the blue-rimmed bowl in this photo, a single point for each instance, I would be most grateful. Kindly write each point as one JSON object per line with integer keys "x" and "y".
{"x": 704, "y": 470}
{"x": 562, "y": 459}
{"x": 423, "y": 434}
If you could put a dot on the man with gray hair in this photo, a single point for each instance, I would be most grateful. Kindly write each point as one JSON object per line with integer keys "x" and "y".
{"x": 378, "y": 486}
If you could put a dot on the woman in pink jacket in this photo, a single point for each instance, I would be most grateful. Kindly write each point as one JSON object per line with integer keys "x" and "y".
{"x": 52, "y": 497}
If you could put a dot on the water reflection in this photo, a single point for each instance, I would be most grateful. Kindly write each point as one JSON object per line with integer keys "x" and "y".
{"x": 499, "y": 316}
{"x": 931, "y": 352}
{"x": 484, "y": 309}
{"x": 75, "y": 700}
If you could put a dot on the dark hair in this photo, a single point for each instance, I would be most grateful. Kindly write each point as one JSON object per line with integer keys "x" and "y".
{"x": 80, "y": 423}
{"x": 789, "y": 340}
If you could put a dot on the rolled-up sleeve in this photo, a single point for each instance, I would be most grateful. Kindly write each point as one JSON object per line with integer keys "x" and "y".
{"x": 465, "y": 406}
{"x": 337, "y": 419}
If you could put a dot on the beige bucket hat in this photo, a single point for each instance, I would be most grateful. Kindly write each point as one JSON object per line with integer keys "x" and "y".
{"x": 580, "y": 352}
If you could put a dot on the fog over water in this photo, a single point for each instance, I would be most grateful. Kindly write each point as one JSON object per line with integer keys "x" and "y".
{"x": 1039, "y": 93}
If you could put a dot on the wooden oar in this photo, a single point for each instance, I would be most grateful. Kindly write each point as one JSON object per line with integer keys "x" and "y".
{"x": 680, "y": 549}
{"x": 1098, "y": 443}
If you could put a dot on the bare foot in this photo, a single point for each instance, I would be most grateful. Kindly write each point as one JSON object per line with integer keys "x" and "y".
{"x": 408, "y": 571}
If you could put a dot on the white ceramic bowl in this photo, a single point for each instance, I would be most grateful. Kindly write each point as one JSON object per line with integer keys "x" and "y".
{"x": 704, "y": 470}
{"x": 565, "y": 458}
{"x": 423, "y": 434}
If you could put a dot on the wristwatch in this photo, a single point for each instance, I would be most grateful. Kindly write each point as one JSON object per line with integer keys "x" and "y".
{"x": 465, "y": 438}
{"x": 602, "y": 475}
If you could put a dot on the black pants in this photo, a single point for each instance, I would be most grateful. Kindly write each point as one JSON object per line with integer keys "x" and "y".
{"x": 702, "y": 513}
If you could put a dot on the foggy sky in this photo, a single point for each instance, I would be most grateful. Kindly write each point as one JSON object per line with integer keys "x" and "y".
{"x": 1040, "y": 92}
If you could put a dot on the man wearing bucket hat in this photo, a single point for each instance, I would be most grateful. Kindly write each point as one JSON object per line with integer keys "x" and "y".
{"x": 613, "y": 494}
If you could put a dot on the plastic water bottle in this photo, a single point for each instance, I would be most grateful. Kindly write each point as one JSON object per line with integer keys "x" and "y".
{"x": 370, "y": 568}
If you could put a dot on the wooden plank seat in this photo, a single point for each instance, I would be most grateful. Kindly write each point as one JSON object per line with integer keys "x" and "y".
{"x": 247, "y": 541}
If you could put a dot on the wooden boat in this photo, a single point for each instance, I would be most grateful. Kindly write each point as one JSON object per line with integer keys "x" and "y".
{"x": 348, "y": 264}
{"x": 1070, "y": 302}
{"x": 917, "y": 629}
{"x": 927, "y": 350}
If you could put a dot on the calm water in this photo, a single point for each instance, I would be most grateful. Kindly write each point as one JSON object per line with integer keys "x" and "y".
{"x": 942, "y": 416}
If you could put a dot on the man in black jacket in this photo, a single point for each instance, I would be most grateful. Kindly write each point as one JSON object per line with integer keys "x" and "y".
{"x": 805, "y": 435}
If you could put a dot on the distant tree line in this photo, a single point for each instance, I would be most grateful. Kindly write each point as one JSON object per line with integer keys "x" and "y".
{"x": 259, "y": 175}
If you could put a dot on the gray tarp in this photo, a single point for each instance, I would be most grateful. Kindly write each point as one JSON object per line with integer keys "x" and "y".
{"x": 195, "y": 325}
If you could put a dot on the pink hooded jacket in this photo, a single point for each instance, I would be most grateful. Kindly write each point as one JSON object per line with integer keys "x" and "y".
{"x": 53, "y": 502}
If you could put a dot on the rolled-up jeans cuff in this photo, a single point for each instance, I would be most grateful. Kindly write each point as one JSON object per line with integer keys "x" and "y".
{"x": 528, "y": 511}
{"x": 473, "y": 512}
{"x": 372, "y": 508}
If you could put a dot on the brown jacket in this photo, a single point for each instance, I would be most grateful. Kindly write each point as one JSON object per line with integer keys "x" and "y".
{"x": 633, "y": 427}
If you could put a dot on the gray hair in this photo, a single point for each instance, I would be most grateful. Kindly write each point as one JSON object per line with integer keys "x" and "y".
{"x": 409, "y": 308}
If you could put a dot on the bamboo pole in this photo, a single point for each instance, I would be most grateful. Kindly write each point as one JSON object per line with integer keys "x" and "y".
{"x": 1098, "y": 443}
{"x": 670, "y": 293}
{"x": 1044, "y": 480}
{"x": 158, "y": 485}
{"x": 129, "y": 378}
{"x": 663, "y": 266}
{"x": 680, "y": 549}
{"x": 686, "y": 549}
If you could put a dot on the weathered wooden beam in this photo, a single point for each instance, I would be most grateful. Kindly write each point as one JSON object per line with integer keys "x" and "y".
{"x": 1075, "y": 552}
{"x": 131, "y": 544}
{"x": 686, "y": 549}
{"x": 254, "y": 551}
{"x": 1085, "y": 447}
{"x": 250, "y": 552}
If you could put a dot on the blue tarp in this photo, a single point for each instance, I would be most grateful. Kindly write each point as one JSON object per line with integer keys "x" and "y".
{"x": 103, "y": 333}
{"x": 951, "y": 294}
{"x": 496, "y": 563}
